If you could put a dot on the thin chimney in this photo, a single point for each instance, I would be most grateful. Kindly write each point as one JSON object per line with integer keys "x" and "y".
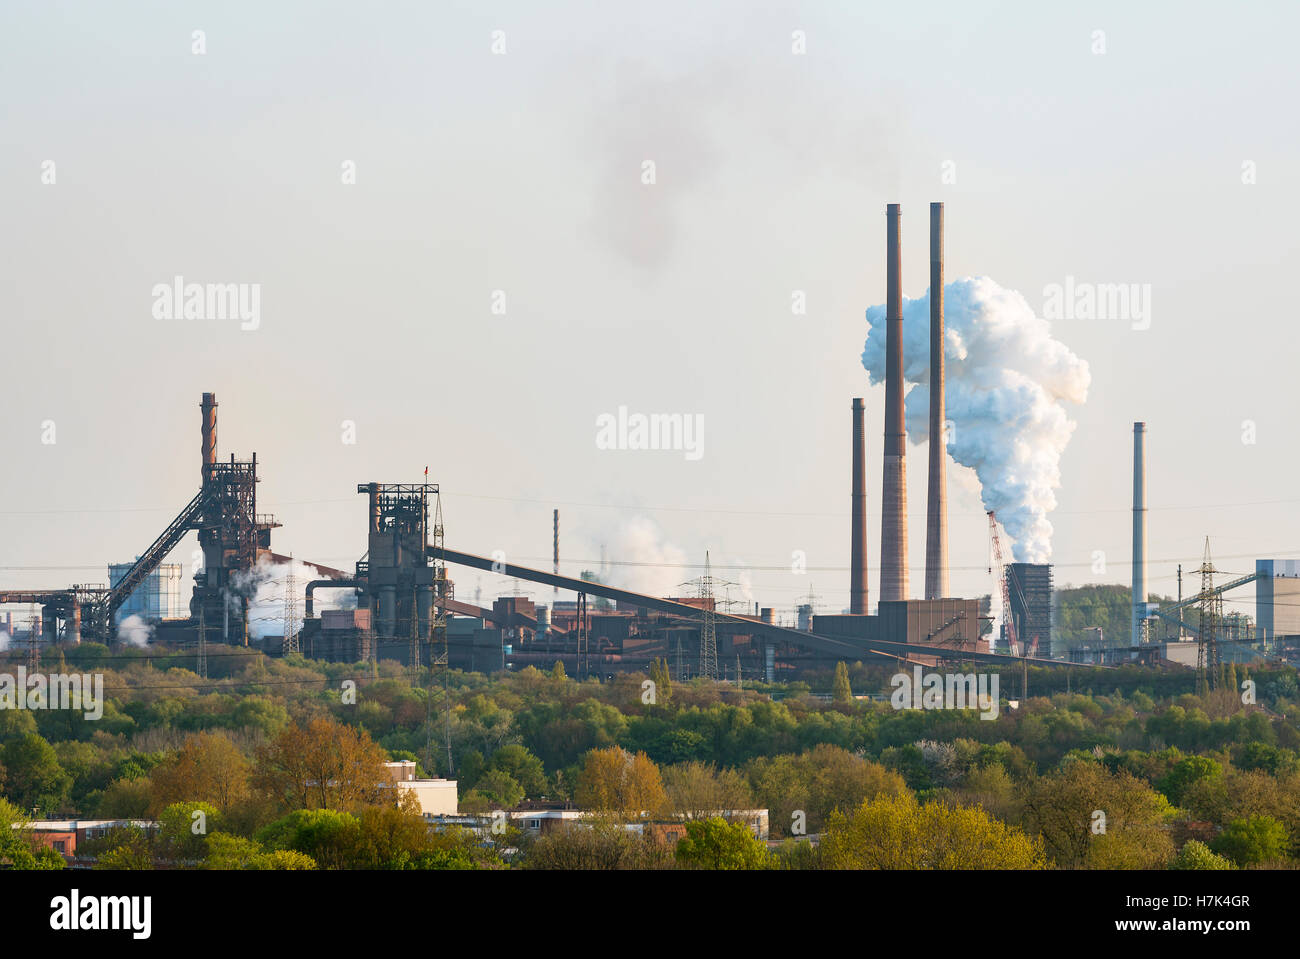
{"x": 936, "y": 526}
{"x": 893, "y": 488}
{"x": 1139, "y": 528}
{"x": 858, "y": 536}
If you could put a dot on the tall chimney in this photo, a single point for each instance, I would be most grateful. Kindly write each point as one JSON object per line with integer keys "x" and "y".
{"x": 1139, "y": 528}
{"x": 209, "y": 410}
{"x": 893, "y": 488}
{"x": 936, "y": 520}
{"x": 858, "y": 535}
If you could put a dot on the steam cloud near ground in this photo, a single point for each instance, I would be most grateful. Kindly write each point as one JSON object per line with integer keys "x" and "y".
{"x": 1010, "y": 386}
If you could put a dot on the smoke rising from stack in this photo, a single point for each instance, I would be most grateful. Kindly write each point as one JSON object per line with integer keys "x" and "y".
{"x": 1009, "y": 385}
{"x": 134, "y": 631}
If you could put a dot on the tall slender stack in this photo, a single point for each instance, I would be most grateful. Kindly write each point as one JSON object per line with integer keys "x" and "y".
{"x": 858, "y": 536}
{"x": 1139, "y": 529}
{"x": 936, "y": 525}
{"x": 893, "y": 487}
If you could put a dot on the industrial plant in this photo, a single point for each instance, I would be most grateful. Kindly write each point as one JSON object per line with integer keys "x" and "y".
{"x": 398, "y": 601}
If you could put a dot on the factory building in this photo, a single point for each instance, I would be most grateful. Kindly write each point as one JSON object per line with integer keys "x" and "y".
{"x": 1029, "y": 588}
{"x": 1277, "y": 598}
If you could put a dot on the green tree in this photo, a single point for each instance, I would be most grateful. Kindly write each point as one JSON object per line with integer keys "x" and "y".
{"x": 715, "y": 843}
{"x": 1196, "y": 855}
{"x": 521, "y": 766}
{"x": 18, "y": 848}
{"x": 1186, "y": 772}
{"x": 1250, "y": 841}
{"x": 841, "y": 692}
{"x": 183, "y": 830}
{"x": 33, "y": 777}
{"x": 329, "y": 836}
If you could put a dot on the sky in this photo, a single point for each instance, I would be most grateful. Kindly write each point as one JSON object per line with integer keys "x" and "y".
{"x": 460, "y": 264}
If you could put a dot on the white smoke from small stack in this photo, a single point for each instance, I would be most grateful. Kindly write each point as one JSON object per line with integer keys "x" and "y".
{"x": 265, "y": 586}
{"x": 655, "y": 566}
{"x": 1008, "y": 383}
{"x": 134, "y": 631}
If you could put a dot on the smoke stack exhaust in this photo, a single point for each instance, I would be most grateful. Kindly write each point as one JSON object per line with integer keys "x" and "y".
{"x": 858, "y": 535}
{"x": 893, "y": 488}
{"x": 1139, "y": 528}
{"x": 209, "y": 410}
{"x": 936, "y": 525}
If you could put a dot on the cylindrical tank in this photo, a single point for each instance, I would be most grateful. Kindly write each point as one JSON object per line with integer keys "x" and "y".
{"x": 424, "y": 609}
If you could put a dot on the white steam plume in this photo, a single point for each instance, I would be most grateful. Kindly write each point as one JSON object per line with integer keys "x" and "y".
{"x": 639, "y": 540}
{"x": 265, "y": 585}
{"x": 134, "y": 631}
{"x": 1008, "y": 385}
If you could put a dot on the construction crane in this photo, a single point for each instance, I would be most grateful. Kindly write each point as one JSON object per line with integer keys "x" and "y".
{"x": 998, "y": 572}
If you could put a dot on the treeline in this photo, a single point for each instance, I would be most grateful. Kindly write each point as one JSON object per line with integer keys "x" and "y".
{"x": 1172, "y": 765}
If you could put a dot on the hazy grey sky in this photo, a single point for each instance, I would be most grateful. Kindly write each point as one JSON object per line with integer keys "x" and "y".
{"x": 522, "y": 172}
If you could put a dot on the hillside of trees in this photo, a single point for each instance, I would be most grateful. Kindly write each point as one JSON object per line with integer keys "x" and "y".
{"x": 249, "y": 748}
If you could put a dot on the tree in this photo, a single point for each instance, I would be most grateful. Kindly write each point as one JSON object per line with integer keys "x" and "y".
{"x": 522, "y": 767}
{"x": 715, "y": 843}
{"x": 324, "y": 765}
{"x": 699, "y": 790}
{"x": 207, "y": 767}
{"x": 236, "y": 852}
{"x": 329, "y": 836}
{"x": 18, "y": 849}
{"x": 663, "y": 681}
{"x": 1186, "y": 772}
{"x": 1257, "y": 839}
{"x": 841, "y": 692}
{"x": 33, "y": 777}
{"x": 1196, "y": 855}
{"x": 895, "y": 832}
{"x": 499, "y": 789}
{"x": 816, "y": 783}
{"x": 616, "y": 782}
{"x": 183, "y": 829}
{"x": 1091, "y": 818}
{"x": 599, "y": 845}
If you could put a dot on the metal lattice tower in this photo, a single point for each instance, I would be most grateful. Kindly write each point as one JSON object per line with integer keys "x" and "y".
{"x": 708, "y": 628}
{"x": 413, "y": 654}
{"x": 998, "y": 569}
{"x": 33, "y": 645}
{"x": 290, "y": 644}
{"x": 1210, "y": 606}
{"x": 202, "y": 666}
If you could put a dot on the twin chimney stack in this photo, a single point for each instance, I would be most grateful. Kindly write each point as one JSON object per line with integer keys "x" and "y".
{"x": 893, "y": 488}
